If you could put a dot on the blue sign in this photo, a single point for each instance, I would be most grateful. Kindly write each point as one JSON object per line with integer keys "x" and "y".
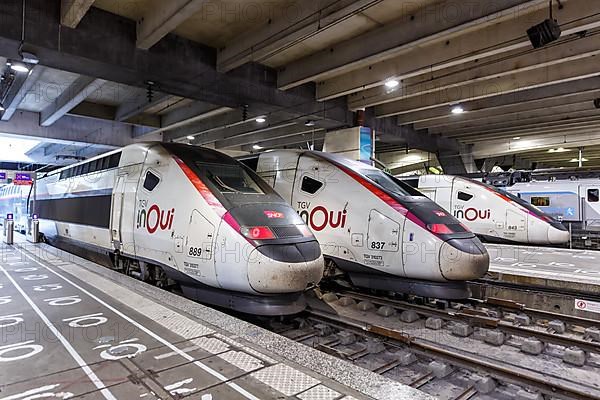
{"x": 2, "y": 175}
{"x": 570, "y": 211}
{"x": 366, "y": 145}
{"x": 22, "y": 177}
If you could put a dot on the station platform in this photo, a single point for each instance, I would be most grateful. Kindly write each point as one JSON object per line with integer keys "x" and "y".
{"x": 569, "y": 278}
{"x": 72, "y": 329}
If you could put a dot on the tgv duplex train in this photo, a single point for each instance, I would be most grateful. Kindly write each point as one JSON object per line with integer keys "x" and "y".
{"x": 381, "y": 232}
{"x": 169, "y": 213}
{"x": 494, "y": 215}
{"x": 13, "y": 200}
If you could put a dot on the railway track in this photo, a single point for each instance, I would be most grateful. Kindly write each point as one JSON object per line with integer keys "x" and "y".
{"x": 468, "y": 351}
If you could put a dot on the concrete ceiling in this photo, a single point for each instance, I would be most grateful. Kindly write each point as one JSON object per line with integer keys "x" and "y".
{"x": 112, "y": 72}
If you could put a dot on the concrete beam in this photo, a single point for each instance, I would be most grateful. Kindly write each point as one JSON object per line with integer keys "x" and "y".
{"x": 519, "y": 119}
{"x": 567, "y": 50}
{"x": 137, "y": 107}
{"x": 93, "y": 110}
{"x": 501, "y": 147}
{"x": 529, "y": 98}
{"x": 288, "y": 141}
{"x": 68, "y": 129}
{"x": 507, "y": 111}
{"x": 278, "y": 35}
{"x": 83, "y": 87}
{"x": 532, "y": 131}
{"x": 189, "y": 73}
{"x": 458, "y": 48}
{"x": 19, "y": 91}
{"x": 386, "y": 42}
{"x": 560, "y": 73}
{"x": 277, "y": 132}
{"x": 73, "y": 11}
{"x": 533, "y": 123}
{"x": 160, "y": 21}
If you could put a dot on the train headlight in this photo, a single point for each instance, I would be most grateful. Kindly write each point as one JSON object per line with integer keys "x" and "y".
{"x": 257, "y": 232}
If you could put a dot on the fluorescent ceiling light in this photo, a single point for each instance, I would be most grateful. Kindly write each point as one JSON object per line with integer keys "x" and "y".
{"x": 19, "y": 68}
{"x": 261, "y": 120}
{"x": 392, "y": 83}
{"x": 577, "y": 160}
{"x": 517, "y": 138}
{"x": 1, "y": 107}
{"x": 257, "y": 147}
{"x": 13, "y": 149}
{"x": 190, "y": 138}
{"x": 457, "y": 110}
{"x": 559, "y": 150}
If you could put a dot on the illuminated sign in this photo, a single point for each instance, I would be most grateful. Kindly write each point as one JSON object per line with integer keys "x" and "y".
{"x": 22, "y": 177}
{"x": 2, "y": 175}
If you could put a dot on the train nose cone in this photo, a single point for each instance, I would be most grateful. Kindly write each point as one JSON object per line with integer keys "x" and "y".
{"x": 463, "y": 259}
{"x": 557, "y": 236}
{"x": 284, "y": 268}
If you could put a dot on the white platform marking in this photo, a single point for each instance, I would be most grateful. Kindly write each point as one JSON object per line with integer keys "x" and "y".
{"x": 63, "y": 301}
{"x": 77, "y": 322}
{"x": 33, "y": 350}
{"x": 15, "y": 318}
{"x": 88, "y": 371}
{"x": 41, "y": 392}
{"x": 188, "y": 357}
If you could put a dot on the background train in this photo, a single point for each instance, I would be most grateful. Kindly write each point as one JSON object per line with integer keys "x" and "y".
{"x": 576, "y": 202}
{"x": 379, "y": 231}
{"x": 168, "y": 213}
{"x": 13, "y": 200}
{"x": 494, "y": 215}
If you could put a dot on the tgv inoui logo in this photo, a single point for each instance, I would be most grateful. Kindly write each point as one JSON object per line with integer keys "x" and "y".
{"x": 154, "y": 218}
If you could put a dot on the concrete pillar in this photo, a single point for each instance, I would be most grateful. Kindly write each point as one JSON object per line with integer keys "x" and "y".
{"x": 356, "y": 143}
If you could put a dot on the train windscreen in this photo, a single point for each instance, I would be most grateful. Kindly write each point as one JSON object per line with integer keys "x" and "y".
{"x": 230, "y": 178}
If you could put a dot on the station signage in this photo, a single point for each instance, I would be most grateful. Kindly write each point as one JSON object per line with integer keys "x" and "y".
{"x": 22, "y": 177}
{"x": 586, "y": 305}
{"x": 2, "y": 175}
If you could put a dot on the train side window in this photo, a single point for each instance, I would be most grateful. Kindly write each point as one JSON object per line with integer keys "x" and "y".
{"x": 593, "y": 195}
{"x": 462, "y": 196}
{"x": 151, "y": 181}
{"x": 310, "y": 185}
{"x": 85, "y": 169}
{"x": 114, "y": 160}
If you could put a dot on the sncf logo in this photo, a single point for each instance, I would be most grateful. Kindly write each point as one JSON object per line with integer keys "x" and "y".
{"x": 154, "y": 219}
{"x": 472, "y": 214}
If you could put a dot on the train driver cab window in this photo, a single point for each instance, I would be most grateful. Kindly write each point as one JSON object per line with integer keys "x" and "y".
{"x": 463, "y": 196}
{"x": 151, "y": 181}
{"x": 310, "y": 185}
{"x": 593, "y": 195}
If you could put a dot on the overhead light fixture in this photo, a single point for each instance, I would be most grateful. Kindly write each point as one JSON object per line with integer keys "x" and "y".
{"x": 517, "y": 138}
{"x": 309, "y": 123}
{"x": 391, "y": 84}
{"x": 545, "y": 32}
{"x": 558, "y": 150}
{"x": 577, "y": 160}
{"x": 457, "y": 110}
{"x": 1, "y": 107}
{"x": 261, "y": 120}
{"x": 257, "y": 147}
{"x": 18, "y": 67}
{"x": 190, "y": 138}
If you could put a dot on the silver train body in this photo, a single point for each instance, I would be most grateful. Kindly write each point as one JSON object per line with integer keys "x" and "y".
{"x": 379, "y": 231}
{"x": 493, "y": 214}
{"x": 169, "y": 213}
{"x": 13, "y": 200}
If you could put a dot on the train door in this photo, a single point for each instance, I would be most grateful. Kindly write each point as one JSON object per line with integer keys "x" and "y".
{"x": 515, "y": 221}
{"x": 591, "y": 207}
{"x": 443, "y": 196}
{"x": 117, "y": 211}
{"x": 383, "y": 233}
